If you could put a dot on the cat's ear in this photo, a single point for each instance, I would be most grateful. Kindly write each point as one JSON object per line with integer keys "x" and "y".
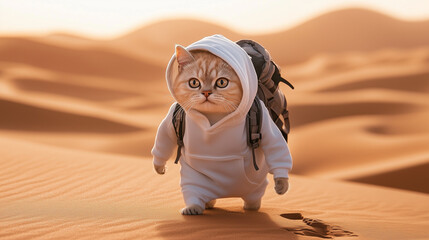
{"x": 183, "y": 56}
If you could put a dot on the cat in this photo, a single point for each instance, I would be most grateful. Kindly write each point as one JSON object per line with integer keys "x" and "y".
{"x": 207, "y": 84}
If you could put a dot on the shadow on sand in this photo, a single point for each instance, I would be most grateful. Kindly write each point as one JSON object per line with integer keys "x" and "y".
{"x": 222, "y": 224}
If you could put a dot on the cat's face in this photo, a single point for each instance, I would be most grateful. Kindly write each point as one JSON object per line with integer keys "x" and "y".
{"x": 206, "y": 83}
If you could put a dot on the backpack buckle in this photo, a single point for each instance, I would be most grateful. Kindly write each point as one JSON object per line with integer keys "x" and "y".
{"x": 255, "y": 139}
{"x": 180, "y": 142}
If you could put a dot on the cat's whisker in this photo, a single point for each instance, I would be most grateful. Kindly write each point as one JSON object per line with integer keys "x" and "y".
{"x": 228, "y": 106}
{"x": 192, "y": 101}
{"x": 231, "y": 104}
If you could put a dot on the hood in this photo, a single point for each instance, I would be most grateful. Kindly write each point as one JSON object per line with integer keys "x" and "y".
{"x": 238, "y": 59}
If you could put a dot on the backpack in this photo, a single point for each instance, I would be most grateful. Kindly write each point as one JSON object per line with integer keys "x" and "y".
{"x": 268, "y": 91}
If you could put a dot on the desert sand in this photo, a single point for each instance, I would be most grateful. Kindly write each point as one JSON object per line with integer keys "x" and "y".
{"x": 55, "y": 193}
{"x": 78, "y": 118}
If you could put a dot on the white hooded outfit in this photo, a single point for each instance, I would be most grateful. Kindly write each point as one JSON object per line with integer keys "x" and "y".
{"x": 216, "y": 161}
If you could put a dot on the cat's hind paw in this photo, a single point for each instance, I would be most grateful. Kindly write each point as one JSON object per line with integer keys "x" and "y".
{"x": 210, "y": 205}
{"x": 192, "y": 210}
{"x": 252, "y": 206}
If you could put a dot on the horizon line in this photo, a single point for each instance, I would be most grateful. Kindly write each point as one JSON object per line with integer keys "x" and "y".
{"x": 89, "y": 36}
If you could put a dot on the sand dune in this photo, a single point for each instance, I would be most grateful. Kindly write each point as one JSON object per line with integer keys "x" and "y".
{"x": 355, "y": 29}
{"x": 341, "y": 31}
{"x": 67, "y": 39}
{"x": 374, "y": 113}
{"x": 83, "y": 194}
{"x": 306, "y": 114}
{"x": 93, "y": 61}
{"x": 347, "y": 143}
{"x": 413, "y": 174}
{"x": 416, "y": 83}
{"x": 156, "y": 41}
{"x": 71, "y": 90}
{"x": 22, "y": 117}
{"x": 329, "y": 70}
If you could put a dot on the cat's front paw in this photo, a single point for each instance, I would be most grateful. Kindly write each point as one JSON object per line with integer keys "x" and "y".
{"x": 192, "y": 210}
{"x": 282, "y": 185}
{"x": 159, "y": 169}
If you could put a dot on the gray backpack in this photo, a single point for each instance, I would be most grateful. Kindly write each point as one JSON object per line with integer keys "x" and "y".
{"x": 268, "y": 91}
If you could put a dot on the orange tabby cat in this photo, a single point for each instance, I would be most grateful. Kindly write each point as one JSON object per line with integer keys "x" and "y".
{"x": 216, "y": 158}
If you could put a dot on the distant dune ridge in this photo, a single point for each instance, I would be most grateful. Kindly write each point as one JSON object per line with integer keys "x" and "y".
{"x": 334, "y": 32}
{"x": 78, "y": 118}
{"x": 345, "y": 30}
{"x": 90, "y": 61}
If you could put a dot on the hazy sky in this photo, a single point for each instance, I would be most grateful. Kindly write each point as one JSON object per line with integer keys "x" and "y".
{"x": 108, "y": 18}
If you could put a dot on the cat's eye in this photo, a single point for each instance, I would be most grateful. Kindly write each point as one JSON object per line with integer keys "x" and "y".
{"x": 194, "y": 83}
{"x": 222, "y": 82}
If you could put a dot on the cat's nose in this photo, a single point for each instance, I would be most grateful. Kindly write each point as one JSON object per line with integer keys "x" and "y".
{"x": 207, "y": 93}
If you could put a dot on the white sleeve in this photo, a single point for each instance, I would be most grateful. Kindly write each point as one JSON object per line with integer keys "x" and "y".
{"x": 165, "y": 141}
{"x": 274, "y": 146}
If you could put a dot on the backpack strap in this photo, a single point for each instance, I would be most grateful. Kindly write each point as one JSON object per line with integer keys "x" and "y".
{"x": 179, "y": 127}
{"x": 286, "y": 129}
{"x": 277, "y": 78}
{"x": 254, "y": 123}
{"x": 277, "y": 106}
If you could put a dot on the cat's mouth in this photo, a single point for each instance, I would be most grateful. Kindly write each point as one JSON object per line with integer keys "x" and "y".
{"x": 207, "y": 101}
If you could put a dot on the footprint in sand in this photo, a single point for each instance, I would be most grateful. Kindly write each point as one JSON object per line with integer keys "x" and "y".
{"x": 318, "y": 227}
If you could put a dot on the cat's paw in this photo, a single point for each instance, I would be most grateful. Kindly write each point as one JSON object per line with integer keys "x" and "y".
{"x": 252, "y": 206}
{"x": 159, "y": 169}
{"x": 211, "y": 204}
{"x": 281, "y": 185}
{"x": 192, "y": 210}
